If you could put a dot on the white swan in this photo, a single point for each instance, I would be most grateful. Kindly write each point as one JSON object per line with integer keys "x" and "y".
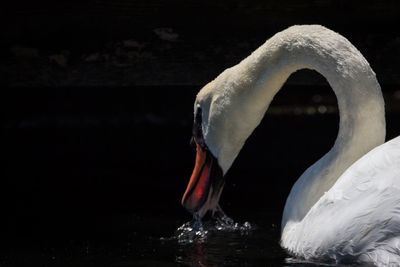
{"x": 346, "y": 206}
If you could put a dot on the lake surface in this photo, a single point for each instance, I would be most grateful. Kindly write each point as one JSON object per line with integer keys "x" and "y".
{"x": 151, "y": 240}
{"x": 94, "y": 176}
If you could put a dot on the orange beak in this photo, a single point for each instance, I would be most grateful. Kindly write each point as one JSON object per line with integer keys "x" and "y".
{"x": 206, "y": 183}
{"x": 197, "y": 191}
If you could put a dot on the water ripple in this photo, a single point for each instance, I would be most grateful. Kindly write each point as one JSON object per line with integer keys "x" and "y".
{"x": 196, "y": 231}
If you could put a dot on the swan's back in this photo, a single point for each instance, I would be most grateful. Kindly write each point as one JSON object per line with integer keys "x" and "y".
{"x": 358, "y": 219}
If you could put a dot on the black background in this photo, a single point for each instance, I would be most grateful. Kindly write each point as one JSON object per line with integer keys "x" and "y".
{"x": 85, "y": 141}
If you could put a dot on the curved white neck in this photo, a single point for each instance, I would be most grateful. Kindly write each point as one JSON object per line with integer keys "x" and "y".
{"x": 362, "y": 121}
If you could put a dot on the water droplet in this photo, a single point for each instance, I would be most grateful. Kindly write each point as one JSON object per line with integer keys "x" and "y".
{"x": 197, "y": 231}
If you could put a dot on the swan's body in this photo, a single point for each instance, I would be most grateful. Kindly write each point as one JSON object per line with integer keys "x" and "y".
{"x": 336, "y": 210}
{"x": 358, "y": 219}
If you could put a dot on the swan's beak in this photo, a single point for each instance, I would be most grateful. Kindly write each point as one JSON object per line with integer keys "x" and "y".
{"x": 205, "y": 184}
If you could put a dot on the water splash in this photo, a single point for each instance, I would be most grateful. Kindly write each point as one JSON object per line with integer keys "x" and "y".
{"x": 218, "y": 240}
{"x": 197, "y": 231}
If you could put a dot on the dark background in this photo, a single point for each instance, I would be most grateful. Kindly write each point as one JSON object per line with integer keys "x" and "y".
{"x": 154, "y": 42}
{"x": 97, "y": 107}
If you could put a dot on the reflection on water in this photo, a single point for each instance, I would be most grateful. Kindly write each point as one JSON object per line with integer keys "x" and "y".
{"x": 225, "y": 243}
{"x": 215, "y": 243}
{"x": 143, "y": 241}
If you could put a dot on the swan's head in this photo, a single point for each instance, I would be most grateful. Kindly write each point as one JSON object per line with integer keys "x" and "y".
{"x": 221, "y": 126}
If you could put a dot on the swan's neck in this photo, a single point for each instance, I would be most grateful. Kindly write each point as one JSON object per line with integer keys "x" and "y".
{"x": 360, "y": 102}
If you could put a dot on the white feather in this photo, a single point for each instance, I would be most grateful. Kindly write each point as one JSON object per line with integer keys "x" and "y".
{"x": 358, "y": 219}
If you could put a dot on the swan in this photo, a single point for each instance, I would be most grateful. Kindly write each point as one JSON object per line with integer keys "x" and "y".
{"x": 346, "y": 206}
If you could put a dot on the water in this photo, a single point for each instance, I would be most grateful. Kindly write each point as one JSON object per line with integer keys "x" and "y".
{"x": 197, "y": 231}
{"x": 229, "y": 243}
{"x": 159, "y": 240}
{"x": 221, "y": 243}
{"x": 94, "y": 178}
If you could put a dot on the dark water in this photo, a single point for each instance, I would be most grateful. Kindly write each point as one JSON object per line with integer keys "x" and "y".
{"x": 94, "y": 176}
{"x": 153, "y": 240}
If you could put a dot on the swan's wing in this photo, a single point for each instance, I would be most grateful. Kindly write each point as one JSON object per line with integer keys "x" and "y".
{"x": 359, "y": 217}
